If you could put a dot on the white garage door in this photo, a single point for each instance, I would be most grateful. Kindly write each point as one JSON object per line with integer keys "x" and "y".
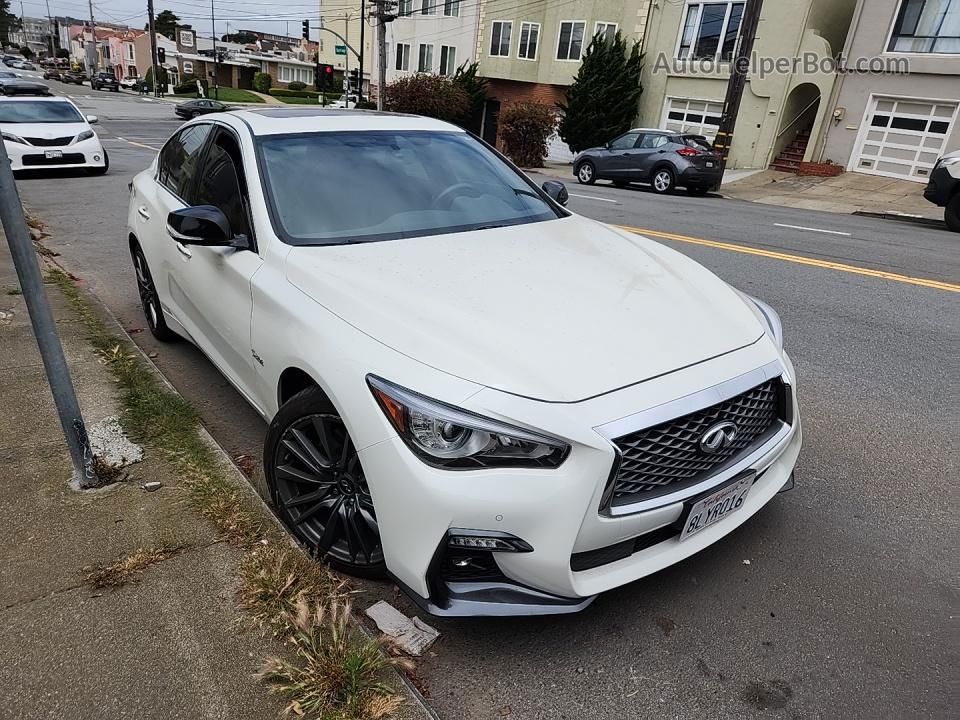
{"x": 903, "y": 138}
{"x": 700, "y": 117}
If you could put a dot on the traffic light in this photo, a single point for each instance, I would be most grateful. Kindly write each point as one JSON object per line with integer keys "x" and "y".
{"x": 161, "y": 55}
{"x": 354, "y": 80}
{"x": 324, "y": 79}
{"x": 306, "y": 29}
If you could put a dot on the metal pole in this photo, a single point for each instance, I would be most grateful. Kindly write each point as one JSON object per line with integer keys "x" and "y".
{"x": 363, "y": 25}
{"x": 93, "y": 34}
{"x": 44, "y": 328}
{"x": 153, "y": 48}
{"x": 346, "y": 60}
{"x": 53, "y": 50}
{"x": 216, "y": 61}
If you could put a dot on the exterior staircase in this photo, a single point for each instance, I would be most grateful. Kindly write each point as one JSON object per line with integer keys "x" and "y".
{"x": 792, "y": 155}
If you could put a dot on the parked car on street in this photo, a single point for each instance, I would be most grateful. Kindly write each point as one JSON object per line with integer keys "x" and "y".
{"x": 662, "y": 158}
{"x": 50, "y": 133}
{"x": 78, "y": 77}
{"x": 105, "y": 81}
{"x": 52, "y": 74}
{"x": 644, "y": 411}
{"x": 131, "y": 83}
{"x": 943, "y": 189}
{"x": 22, "y": 86}
{"x": 344, "y": 102}
{"x": 25, "y": 65}
{"x": 200, "y": 106}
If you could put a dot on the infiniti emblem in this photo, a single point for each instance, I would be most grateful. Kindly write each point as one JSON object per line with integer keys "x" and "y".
{"x": 718, "y": 437}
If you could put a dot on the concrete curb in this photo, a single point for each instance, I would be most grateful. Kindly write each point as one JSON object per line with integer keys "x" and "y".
{"x": 902, "y": 217}
{"x": 240, "y": 481}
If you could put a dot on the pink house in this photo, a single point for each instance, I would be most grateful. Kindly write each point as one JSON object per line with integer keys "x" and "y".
{"x": 123, "y": 53}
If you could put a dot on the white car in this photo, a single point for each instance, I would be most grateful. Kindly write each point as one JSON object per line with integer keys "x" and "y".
{"x": 504, "y": 406}
{"x": 130, "y": 83}
{"x": 50, "y": 133}
{"x": 344, "y": 102}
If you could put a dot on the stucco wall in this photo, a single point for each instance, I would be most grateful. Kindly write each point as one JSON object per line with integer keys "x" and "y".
{"x": 459, "y": 32}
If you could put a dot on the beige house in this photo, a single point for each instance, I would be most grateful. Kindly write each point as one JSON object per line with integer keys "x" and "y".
{"x": 343, "y": 17}
{"x": 897, "y": 125}
{"x": 787, "y": 97}
{"x": 532, "y": 51}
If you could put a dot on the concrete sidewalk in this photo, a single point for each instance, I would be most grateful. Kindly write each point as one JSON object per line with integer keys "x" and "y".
{"x": 170, "y": 644}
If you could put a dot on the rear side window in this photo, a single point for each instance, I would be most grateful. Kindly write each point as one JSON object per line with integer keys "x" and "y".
{"x": 650, "y": 142}
{"x": 625, "y": 142}
{"x": 179, "y": 159}
{"x": 697, "y": 142}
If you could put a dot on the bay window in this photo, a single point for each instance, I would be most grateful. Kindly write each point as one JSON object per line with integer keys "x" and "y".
{"x": 927, "y": 26}
{"x": 710, "y": 30}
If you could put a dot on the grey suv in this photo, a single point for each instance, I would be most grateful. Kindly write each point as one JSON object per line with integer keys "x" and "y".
{"x": 662, "y": 158}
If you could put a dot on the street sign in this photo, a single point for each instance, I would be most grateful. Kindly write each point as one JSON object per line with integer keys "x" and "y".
{"x": 341, "y": 49}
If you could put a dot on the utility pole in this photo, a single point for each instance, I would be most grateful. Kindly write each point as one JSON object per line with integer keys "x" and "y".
{"x": 385, "y": 14}
{"x": 216, "y": 59}
{"x": 44, "y": 328}
{"x": 92, "y": 59}
{"x": 153, "y": 48}
{"x": 53, "y": 49}
{"x": 738, "y": 79}
{"x": 346, "y": 59}
{"x": 363, "y": 24}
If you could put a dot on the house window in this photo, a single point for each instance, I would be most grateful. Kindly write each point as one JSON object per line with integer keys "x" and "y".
{"x": 605, "y": 31}
{"x": 710, "y": 30}
{"x": 132, "y": 71}
{"x": 927, "y": 26}
{"x": 403, "y": 56}
{"x": 130, "y": 53}
{"x": 186, "y": 38}
{"x": 426, "y": 58}
{"x": 529, "y": 40}
{"x": 500, "y": 39}
{"x": 697, "y": 117}
{"x": 405, "y": 8}
{"x": 187, "y": 67}
{"x": 451, "y": 8}
{"x": 570, "y": 42}
{"x": 429, "y": 7}
{"x": 448, "y": 59}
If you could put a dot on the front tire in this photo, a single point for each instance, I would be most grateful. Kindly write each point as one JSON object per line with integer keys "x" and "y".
{"x": 951, "y": 213}
{"x": 586, "y": 173}
{"x": 317, "y": 485}
{"x": 663, "y": 181}
{"x": 152, "y": 310}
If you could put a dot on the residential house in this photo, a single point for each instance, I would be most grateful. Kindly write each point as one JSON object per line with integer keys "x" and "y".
{"x": 344, "y": 18}
{"x": 532, "y": 51}
{"x": 123, "y": 52}
{"x": 432, "y": 36}
{"x": 687, "y": 69}
{"x": 897, "y": 125}
{"x": 34, "y": 33}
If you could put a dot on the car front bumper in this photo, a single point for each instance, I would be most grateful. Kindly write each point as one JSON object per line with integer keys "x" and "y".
{"x": 85, "y": 154}
{"x": 558, "y": 513}
{"x": 941, "y": 187}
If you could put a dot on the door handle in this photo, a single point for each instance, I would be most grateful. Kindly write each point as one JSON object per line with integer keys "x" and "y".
{"x": 183, "y": 250}
{"x": 142, "y": 212}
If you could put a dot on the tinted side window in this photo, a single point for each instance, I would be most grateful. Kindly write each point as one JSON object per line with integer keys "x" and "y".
{"x": 653, "y": 141}
{"x": 222, "y": 185}
{"x": 179, "y": 159}
{"x": 624, "y": 142}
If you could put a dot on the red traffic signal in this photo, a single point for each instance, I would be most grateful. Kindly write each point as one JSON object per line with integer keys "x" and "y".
{"x": 324, "y": 80}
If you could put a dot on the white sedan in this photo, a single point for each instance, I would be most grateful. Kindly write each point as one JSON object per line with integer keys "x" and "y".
{"x": 50, "y": 133}
{"x": 505, "y": 407}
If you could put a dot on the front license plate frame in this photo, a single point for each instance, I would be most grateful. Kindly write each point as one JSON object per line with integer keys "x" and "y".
{"x": 53, "y": 154}
{"x": 716, "y": 506}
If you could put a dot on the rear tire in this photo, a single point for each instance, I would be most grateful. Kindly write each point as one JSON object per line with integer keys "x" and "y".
{"x": 152, "y": 310}
{"x": 951, "y": 213}
{"x": 586, "y": 173}
{"x": 663, "y": 181}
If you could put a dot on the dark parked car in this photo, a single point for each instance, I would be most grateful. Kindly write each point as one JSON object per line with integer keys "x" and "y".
{"x": 52, "y": 74}
{"x": 105, "y": 81}
{"x": 200, "y": 106}
{"x": 662, "y": 158}
{"x": 943, "y": 190}
{"x": 20, "y": 86}
{"x": 78, "y": 77}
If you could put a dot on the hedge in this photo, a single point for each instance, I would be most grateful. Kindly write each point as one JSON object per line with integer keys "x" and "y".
{"x": 262, "y": 82}
{"x": 284, "y": 92}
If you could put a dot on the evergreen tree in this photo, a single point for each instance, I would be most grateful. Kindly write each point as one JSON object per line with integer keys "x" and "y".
{"x": 165, "y": 23}
{"x": 602, "y": 101}
{"x": 8, "y": 22}
{"x": 475, "y": 87}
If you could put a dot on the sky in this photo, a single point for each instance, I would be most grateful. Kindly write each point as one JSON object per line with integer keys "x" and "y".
{"x": 277, "y": 16}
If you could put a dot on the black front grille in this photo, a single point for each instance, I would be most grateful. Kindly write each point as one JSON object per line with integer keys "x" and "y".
{"x": 65, "y": 159}
{"x": 668, "y": 457}
{"x": 50, "y": 142}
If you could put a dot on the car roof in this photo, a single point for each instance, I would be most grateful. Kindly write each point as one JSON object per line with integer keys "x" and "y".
{"x": 285, "y": 120}
{"x": 37, "y": 98}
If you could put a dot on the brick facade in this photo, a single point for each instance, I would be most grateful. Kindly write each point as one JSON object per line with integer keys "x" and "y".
{"x": 820, "y": 169}
{"x": 511, "y": 91}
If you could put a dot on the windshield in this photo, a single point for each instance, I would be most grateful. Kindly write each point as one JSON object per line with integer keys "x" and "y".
{"x": 339, "y": 187}
{"x": 20, "y": 111}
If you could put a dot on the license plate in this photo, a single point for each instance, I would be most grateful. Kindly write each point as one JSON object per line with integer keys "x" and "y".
{"x": 49, "y": 154}
{"x": 716, "y": 507}
{"x": 709, "y": 164}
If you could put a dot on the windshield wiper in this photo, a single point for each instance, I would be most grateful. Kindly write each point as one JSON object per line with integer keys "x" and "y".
{"x": 523, "y": 191}
{"x": 489, "y": 227}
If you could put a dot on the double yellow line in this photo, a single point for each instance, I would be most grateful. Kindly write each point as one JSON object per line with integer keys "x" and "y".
{"x": 799, "y": 259}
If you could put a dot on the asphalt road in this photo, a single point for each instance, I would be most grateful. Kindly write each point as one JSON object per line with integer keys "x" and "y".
{"x": 840, "y": 599}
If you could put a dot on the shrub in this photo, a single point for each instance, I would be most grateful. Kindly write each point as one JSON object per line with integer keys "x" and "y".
{"x": 185, "y": 88}
{"x": 430, "y": 95}
{"x": 26, "y": 52}
{"x": 525, "y": 128}
{"x": 296, "y": 86}
{"x": 366, "y": 105}
{"x": 62, "y": 53}
{"x": 161, "y": 77}
{"x": 284, "y": 92}
{"x": 475, "y": 88}
{"x": 262, "y": 82}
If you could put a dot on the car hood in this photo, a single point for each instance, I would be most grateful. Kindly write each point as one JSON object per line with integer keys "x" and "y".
{"x": 561, "y": 310}
{"x": 44, "y": 130}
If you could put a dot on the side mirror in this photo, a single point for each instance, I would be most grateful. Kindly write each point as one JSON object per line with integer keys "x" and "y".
{"x": 201, "y": 225}
{"x": 93, "y": 119}
{"x": 557, "y": 191}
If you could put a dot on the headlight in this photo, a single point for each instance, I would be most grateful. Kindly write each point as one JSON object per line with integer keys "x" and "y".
{"x": 14, "y": 138}
{"x": 774, "y": 326}
{"x": 946, "y": 162}
{"x": 85, "y": 135}
{"x": 448, "y": 437}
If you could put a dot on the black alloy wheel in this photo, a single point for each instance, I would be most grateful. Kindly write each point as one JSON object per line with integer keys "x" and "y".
{"x": 318, "y": 486}
{"x": 152, "y": 310}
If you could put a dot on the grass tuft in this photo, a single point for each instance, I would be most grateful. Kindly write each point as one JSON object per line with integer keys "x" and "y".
{"x": 337, "y": 674}
{"x": 14, "y": 291}
{"x": 129, "y": 567}
{"x": 275, "y": 578}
